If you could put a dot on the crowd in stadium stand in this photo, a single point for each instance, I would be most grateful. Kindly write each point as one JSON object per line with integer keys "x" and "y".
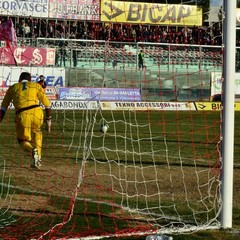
{"x": 33, "y": 28}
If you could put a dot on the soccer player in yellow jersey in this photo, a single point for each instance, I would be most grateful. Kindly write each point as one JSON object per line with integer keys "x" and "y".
{"x": 26, "y": 96}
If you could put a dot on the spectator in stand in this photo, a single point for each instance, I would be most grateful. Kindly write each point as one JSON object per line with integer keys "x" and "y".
{"x": 62, "y": 54}
{"x": 51, "y": 30}
{"x": 26, "y": 31}
{"x": 141, "y": 60}
{"x": 134, "y": 34}
{"x": 118, "y": 32}
{"x": 73, "y": 47}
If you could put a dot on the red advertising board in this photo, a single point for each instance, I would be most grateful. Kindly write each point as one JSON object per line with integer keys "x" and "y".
{"x": 27, "y": 56}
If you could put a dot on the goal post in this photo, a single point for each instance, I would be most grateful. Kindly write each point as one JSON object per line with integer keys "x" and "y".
{"x": 228, "y": 112}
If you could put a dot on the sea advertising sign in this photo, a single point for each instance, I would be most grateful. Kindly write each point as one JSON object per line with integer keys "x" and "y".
{"x": 54, "y": 77}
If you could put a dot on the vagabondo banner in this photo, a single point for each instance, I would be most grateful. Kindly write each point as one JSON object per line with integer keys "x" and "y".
{"x": 74, "y": 105}
{"x": 68, "y": 105}
{"x": 151, "y": 13}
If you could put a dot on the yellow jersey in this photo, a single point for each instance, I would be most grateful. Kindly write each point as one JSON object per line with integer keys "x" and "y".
{"x": 25, "y": 94}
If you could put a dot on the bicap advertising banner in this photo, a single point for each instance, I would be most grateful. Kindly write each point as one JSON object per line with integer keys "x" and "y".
{"x": 151, "y": 13}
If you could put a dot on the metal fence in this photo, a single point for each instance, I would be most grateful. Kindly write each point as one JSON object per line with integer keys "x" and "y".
{"x": 171, "y": 71}
{"x": 108, "y": 54}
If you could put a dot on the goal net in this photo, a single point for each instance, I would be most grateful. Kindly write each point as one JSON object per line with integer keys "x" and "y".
{"x": 155, "y": 167}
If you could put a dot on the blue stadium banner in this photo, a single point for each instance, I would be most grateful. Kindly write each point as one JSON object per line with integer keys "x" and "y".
{"x": 99, "y": 94}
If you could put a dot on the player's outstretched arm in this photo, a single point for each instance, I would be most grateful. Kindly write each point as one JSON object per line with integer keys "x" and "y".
{"x": 47, "y": 104}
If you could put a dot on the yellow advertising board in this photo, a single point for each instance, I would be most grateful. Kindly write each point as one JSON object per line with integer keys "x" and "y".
{"x": 147, "y": 106}
{"x": 213, "y": 106}
{"x": 238, "y": 17}
{"x": 151, "y": 13}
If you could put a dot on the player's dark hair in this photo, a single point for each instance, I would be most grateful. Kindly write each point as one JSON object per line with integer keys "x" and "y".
{"x": 41, "y": 78}
{"x": 25, "y": 76}
{"x": 42, "y": 81}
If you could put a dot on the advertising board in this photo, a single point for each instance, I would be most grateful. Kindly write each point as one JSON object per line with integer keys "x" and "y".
{"x": 27, "y": 56}
{"x": 55, "y": 77}
{"x": 100, "y": 94}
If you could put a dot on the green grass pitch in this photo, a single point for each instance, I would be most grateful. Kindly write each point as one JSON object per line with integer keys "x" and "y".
{"x": 108, "y": 171}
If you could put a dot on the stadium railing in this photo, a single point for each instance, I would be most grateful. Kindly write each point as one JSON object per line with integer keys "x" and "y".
{"x": 81, "y": 59}
{"x": 98, "y": 53}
